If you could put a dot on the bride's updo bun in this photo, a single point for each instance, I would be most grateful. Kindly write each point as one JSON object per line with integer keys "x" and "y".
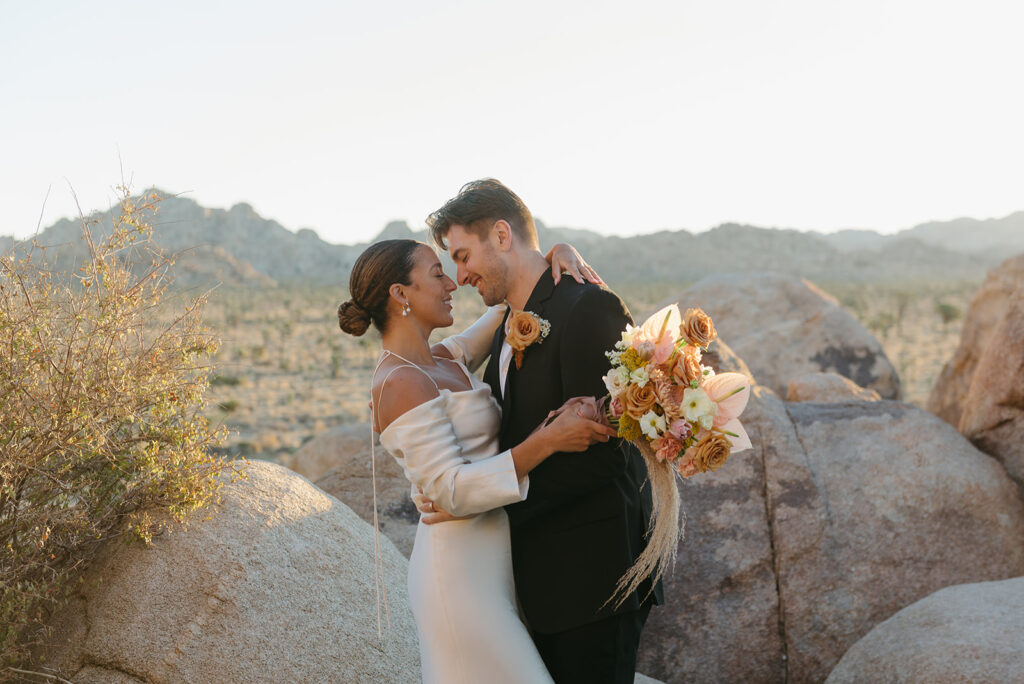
{"x": 380, "y": 266}
{"x": 352, "y": 318}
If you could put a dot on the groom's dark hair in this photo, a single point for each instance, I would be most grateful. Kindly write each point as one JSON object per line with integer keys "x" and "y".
{"x": 477, "y": 206}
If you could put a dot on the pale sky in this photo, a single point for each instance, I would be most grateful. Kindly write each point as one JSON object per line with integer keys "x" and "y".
{"x": 618, "y": 117}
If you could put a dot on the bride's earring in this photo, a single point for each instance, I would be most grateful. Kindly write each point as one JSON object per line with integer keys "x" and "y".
{"x": 406, "y": 309}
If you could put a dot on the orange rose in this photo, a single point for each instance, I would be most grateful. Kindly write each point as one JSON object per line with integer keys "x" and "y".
{"x": 524, "y": 328}
{"x": 698, "y": 328}
{"x": 711, "y": 451}
{"x": 687, "y": 366}
{"x": 637, "y": 400}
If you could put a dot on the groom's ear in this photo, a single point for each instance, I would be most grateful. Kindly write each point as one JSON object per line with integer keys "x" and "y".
{"x": 502, "y": 234}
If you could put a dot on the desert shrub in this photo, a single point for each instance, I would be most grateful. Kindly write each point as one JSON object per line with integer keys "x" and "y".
{"x": 882, "y": 322}
{"x": 948, "y": 312}
{"x": 229, "y": 406}
{"x": 102, "y": 382}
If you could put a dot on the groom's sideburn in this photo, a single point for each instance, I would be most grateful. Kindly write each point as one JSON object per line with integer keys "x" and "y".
{"x": 583, "y": 522}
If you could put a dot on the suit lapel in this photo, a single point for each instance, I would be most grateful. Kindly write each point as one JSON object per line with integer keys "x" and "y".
{"x": 542, "y": 292}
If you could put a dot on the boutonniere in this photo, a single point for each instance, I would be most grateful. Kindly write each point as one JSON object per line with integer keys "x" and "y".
{"x": 522, "y": 329}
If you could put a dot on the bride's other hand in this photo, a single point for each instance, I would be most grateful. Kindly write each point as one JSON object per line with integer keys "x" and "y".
{"x": 575, "y": 402}
{"x": 586, "y": 407}
{"x": 572, "y": 431}
{"x": 572, "y": 403}
{"x": 433, "y": 514}
{"x": 564, "y": 258}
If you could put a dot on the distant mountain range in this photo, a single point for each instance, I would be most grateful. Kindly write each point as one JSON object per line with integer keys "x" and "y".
{"x": 238, "y": 247}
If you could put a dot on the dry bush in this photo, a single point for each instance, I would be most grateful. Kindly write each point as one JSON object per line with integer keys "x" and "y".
{"x": 102, "y": 386}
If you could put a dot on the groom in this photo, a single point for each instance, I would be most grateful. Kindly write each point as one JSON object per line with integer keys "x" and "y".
{"x": 582, "y": 524}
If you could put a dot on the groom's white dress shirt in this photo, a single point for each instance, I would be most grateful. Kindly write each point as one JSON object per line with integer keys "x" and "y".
{"x": 504, "y": 361}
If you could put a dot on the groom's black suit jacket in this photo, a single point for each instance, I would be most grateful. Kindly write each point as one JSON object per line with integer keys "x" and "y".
{"x": 582, "y": 524}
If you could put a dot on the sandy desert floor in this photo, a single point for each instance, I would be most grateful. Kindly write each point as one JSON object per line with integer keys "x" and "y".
{"x": 285, "y": 372}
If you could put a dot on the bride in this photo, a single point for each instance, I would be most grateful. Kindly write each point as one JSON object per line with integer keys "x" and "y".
{"x": 441, "y": 423}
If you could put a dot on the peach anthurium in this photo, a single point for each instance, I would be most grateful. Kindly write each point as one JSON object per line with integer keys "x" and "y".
{"x": 736, "y": 434}
{"x": 731, "y": 392}
{"x": 661, "y": 329}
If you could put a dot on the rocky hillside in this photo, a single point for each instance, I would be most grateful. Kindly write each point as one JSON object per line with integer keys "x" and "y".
{"x": 967, "y": 235}
{"x": 237, "y": 246}
{"x": 993, "y": 236}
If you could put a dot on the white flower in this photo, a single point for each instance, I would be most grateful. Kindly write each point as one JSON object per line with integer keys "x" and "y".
{"x": 696, "y": 404}
{"x": 706, "y": 421}
{"x": 621, "y": 346}
{"x": 640, "y": 376}
{"x": 707, "y": 372}
{"x": 652, "y": 425}
{"x": 616, "y": 380}
{"x": 629, "y": 333}
{"x": 614, "y": 357}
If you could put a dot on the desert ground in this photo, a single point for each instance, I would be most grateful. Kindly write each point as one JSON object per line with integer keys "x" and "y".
{"x": 285, "y": 372}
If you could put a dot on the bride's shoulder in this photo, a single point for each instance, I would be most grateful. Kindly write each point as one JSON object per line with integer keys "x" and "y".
{"x": 398, "y": 390}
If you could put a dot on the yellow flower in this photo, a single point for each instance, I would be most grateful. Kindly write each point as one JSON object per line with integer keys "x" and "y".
{"x": 629, "y": 428}
{"x": 631, "y": 359}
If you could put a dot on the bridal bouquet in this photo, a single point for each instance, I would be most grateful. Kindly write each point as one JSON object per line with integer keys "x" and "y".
{"x": 661, "y": 396}
{"x": 681, "y": 415}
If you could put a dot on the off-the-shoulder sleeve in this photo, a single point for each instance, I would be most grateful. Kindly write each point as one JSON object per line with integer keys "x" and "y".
{"x": 424, "y": 443}
{"x": 473, "y": 345}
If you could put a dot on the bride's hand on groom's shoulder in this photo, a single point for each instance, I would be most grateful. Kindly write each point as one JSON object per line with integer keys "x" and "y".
{"x": 564, "y": 258}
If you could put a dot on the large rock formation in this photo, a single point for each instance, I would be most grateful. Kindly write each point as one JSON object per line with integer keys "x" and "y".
{"x": 329, "y": 449}
{"x": 874, "y": 505}
{"x": 981, "y": 389}
{"x": 338, "y": 462}
{"x": 987, "y": 309}
{"x": 784, "y": 327}
{"x": 993, "y": 412}
{"x": 278, "y": 585}
{"x": 966, "y": 633}
{"x": 723, "y": 359}
{"x": 720, "y": 621}
{"x": 827, "y": 387}
{"x": 841, "y": 514}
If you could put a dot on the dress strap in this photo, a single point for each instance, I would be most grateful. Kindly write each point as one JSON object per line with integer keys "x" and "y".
{"x": 465, "y": 371}
{"x": 408, "y": 363}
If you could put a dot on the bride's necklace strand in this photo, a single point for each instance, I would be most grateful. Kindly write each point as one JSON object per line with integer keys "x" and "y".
{"x": 378, "y": 558}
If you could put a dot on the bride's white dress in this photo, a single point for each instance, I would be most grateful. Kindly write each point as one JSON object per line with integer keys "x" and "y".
{"x": 460, "y": 572}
